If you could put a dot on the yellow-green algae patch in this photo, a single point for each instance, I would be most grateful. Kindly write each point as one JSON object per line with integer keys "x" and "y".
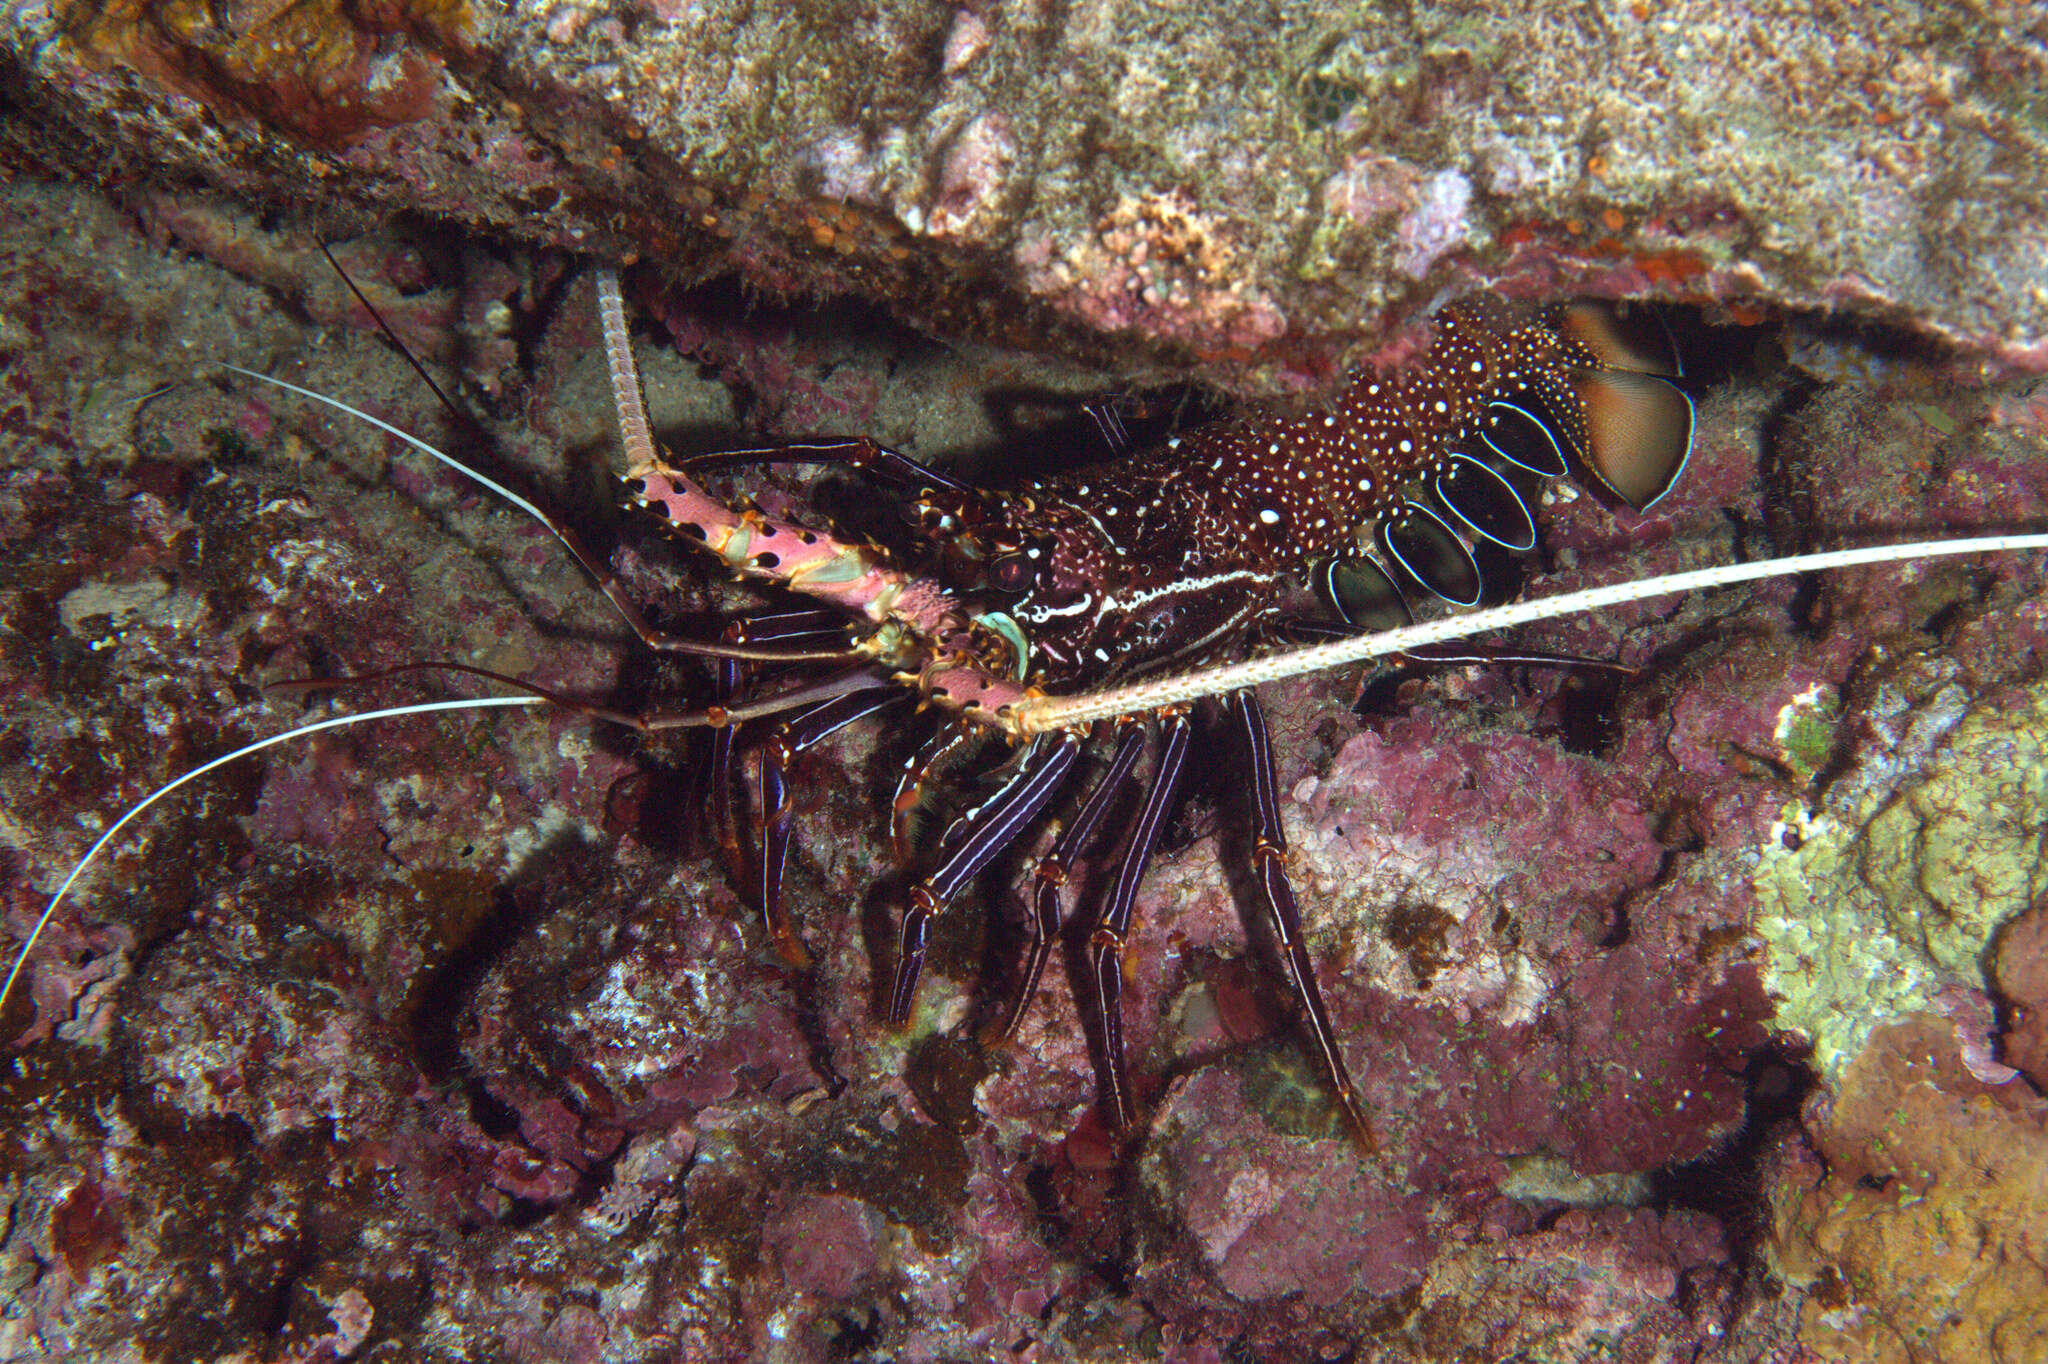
{"x": 1805, "y": 731}
{"x": 1881, "y": 901}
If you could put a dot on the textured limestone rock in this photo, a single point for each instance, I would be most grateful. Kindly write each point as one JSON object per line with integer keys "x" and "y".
{"x": 1245, "y": 194}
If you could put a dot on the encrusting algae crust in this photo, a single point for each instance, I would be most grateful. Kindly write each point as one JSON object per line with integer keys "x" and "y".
{"x": 1870, "y": 907}
{"x": 1922, "y": 1226}
{"x": 1917, "y": 1217}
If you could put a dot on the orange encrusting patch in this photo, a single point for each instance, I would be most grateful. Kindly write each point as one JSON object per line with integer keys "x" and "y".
{"x": 311, "y": 69}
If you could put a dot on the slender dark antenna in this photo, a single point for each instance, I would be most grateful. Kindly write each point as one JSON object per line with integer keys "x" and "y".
{"x": 400, "y": 346}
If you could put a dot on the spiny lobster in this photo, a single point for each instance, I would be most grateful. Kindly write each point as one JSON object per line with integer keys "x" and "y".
{"x": 1418, "y": 479}
{"x": 1180, "y": 557}
{"x": 1014, "y": 612}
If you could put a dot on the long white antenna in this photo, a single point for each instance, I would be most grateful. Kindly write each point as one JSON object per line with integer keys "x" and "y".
{"x": 1051, "y": 712}
{"x": 414, "y": 441}
{"x": 337, "y": 722}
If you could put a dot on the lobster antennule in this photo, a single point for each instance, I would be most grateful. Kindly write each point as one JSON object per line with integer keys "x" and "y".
{"x": 628, "y": 404}
{"x": 1638, "y": 433}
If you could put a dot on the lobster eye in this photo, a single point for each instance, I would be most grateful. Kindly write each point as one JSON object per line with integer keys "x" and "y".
{"x": 1011, "y": 572}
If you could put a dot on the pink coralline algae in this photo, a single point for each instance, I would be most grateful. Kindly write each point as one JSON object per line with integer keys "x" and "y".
{"x": 1157, "y": 264}
{"x": 793, "y": 382}
{"x": 1275, "y": 1217}
{"x": 74, "y": 994}
{"x": 822, "y": 1244}
{"x": 1437, "y": 225}
{"x": 1429, "y": 211}
{"x": 662, "y": 1019}
{"x": 1617, "y": 1282}
{"x": 971, "y": 177}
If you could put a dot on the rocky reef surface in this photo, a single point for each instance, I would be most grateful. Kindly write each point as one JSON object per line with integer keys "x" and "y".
{"x": 1699, "y": 1007}
{"x": 1251, "y": 195}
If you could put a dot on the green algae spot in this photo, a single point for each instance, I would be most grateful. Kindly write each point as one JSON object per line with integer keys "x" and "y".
{"x": 1937, "y": 418}
{"x": 1324, "y": 99}
{"x": 1806, "y": 730}
{"x": 1284, "y": 1089}
{"x": 1871, "y": 907}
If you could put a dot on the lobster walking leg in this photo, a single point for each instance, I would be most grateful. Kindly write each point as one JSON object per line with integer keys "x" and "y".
{"x": 778, "y": 808}
{"x": 970, "y": 845}
{"x": 728, "y": 823}
{"x": 1106, "y": 942}
{"x": 1050, "y": 878}
{"x": 942, "y": 749}
{"x": 1269, "y": 866}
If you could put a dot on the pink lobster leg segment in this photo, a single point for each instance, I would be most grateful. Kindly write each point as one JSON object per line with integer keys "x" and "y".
{"x": 976, "y": 695}
{"x": 806, "y": 561}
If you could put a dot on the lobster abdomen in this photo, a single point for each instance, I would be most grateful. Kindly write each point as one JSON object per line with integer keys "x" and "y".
{"x": 1179, "y": 553}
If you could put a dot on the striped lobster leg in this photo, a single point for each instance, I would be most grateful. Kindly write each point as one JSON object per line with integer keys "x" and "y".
{"x": 975, "y": 839}
{"x": 1269, "y": 869}
{"x": 1107, "y": 941}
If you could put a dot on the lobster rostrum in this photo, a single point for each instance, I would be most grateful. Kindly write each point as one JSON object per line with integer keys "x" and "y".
{"x": 1418, "y": 483}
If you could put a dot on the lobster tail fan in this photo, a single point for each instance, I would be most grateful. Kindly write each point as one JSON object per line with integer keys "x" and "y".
{"x": 1635, "y": 340}
{"x": 1638, "y": 433}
